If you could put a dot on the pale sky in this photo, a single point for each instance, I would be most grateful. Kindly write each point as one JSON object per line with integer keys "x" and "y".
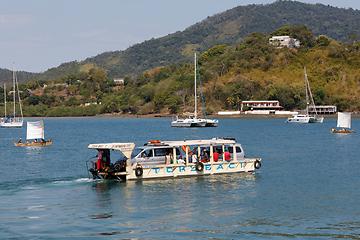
{"x": 42, "y": 34}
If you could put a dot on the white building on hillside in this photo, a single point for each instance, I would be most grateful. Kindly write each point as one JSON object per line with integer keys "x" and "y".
{"x": 284, "y": 41}
{"x": 119, "y": 81}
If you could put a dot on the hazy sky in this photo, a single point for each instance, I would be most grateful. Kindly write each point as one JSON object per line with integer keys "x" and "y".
{"x": 41, "y": 34}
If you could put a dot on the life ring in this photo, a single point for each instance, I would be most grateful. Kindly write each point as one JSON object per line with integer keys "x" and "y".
{"x": 199, "y": 166}
{"x": 257, "y": 164}
{"x": 184, "y": 148}
{"x": 138, "y": 171}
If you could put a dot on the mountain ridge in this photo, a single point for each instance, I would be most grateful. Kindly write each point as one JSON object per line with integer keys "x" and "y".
{"x": 230, "y": 27}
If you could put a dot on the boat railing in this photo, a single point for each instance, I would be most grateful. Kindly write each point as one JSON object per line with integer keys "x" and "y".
{"x": 87, "y": 168}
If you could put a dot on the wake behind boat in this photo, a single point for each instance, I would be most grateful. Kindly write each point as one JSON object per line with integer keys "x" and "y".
{"x": 35, "y": 130}
{"x": 157, "y": 159}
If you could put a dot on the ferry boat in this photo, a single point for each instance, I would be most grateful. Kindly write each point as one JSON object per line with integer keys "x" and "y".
{"x": 169, "y": 159}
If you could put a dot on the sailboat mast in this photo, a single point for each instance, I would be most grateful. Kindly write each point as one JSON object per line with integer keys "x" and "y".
{"x": 19, "y": 100}
{"x": 307, "y": 97}
{"x": 195, "y": 113}
{"x": 5, "y": 97}
{"x": 14, "y": 87}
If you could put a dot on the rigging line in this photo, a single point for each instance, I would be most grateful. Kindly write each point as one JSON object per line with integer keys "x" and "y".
{"x": 202, "y": 99}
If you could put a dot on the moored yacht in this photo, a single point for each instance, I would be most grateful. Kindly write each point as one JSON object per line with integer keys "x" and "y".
{"x": 301, "y": 119}
{"x": 195, "y": 121}
{"x": 306, "y": 118}
{"x": 188, "y": 122}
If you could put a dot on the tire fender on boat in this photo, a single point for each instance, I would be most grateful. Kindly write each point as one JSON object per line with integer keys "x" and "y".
{"x": 138, "y": 171}
{"x": 199, "y": 166}
{"x": 257, "y": 164}
{"x": 117, "y": 167}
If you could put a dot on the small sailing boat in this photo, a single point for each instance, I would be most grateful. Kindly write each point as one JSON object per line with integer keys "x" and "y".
{"x": 13, "y": 121}
{"x": 344, "y": 121}
{"x": 194, "y": 121}
{"x": 35, "y": 130}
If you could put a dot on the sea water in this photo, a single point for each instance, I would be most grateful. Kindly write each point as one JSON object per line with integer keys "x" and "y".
{"x": 307, "y": 188}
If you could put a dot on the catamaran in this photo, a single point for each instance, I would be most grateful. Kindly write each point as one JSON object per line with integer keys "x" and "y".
{"x": 306, "y": 118}
{"x": 344, "y": 121}
{"x": 195, "y": 121}
{"x": 13, "y": 121}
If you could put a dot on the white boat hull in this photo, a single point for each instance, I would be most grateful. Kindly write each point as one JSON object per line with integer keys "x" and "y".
{"x": 319, "y": 119}
{"x": 11, "y": 124}
{"x": 301, "y": 119}
{"x": 211, "y": 123}
{"x": 190, "y": 170}
{"x": 188, "y": 122}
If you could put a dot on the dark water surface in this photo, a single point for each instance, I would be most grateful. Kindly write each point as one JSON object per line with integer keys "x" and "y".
{"x": 308, "y": 186}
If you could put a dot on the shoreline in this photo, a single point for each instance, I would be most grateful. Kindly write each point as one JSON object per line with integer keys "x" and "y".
{"x": 208, "y": 116}
{"x": 109, "y": 115}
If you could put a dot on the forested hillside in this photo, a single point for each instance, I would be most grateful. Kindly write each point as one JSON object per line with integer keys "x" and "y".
{"x": 229, "y": 27}
{"x": 252, "y": 70}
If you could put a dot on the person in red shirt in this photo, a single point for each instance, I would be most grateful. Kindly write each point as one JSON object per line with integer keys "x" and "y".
{"x": 216, "y": 156}
{"x": 227, "y": 155}
{"x": 99, "y": 163}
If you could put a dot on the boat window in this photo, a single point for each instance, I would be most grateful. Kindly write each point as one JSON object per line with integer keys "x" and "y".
{"x": 165, "y": 151}
{"x": 147, "y": 153}
{"x": 238, "y": 149}
{"x": 136, "y": 152}
{"x": 162, "y": 151}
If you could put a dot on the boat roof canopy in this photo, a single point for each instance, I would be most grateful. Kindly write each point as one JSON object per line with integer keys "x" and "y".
{"x": 125, "y": 148}
{"x": 200, "y": 142}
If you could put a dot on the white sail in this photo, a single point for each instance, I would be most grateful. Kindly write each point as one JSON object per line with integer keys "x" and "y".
{"x": 35, "y": 130}
{"x": 344, "y": 120}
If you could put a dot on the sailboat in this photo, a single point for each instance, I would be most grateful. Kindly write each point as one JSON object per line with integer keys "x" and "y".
{"x": 35, "y": 130}
{"x": 306, "y": 118}
{"x": 13, "y": 121}
{"x": 344, "y": 121}
{"x": 194, "y": 121}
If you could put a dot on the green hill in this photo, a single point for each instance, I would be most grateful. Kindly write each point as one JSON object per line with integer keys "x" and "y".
{"x": 252, "y": 70}
{"x": 229, "y": 27}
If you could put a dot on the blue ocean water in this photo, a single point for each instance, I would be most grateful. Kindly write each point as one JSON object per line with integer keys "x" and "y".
{"x": 308, "y": 186}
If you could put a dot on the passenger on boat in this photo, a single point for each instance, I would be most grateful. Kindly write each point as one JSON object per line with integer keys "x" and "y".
{"x": 35, "y": 141}
{"x": 99, "y": 163}
{"x": 106, "y": 158}
{"x": 205, "y": 156}
{"x": 227, "y": 155}
{"x": 19, "y": 141}
{"x": 190, "y": 157}
{"x": 181, "y": 161}
{"x": 42, "y": 140}
{"x": 333, "y": 129}
{"x": 194, "y": 158}
{"x": 216, "y": 156}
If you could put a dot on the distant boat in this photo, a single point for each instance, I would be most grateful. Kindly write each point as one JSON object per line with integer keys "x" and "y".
{"x": 35, "y": 130}
{"x": 194, "y": 121}
{"x": 344, "y": 121}
{"x": 13, "y": 121}
{"x": 306, "y": 118}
